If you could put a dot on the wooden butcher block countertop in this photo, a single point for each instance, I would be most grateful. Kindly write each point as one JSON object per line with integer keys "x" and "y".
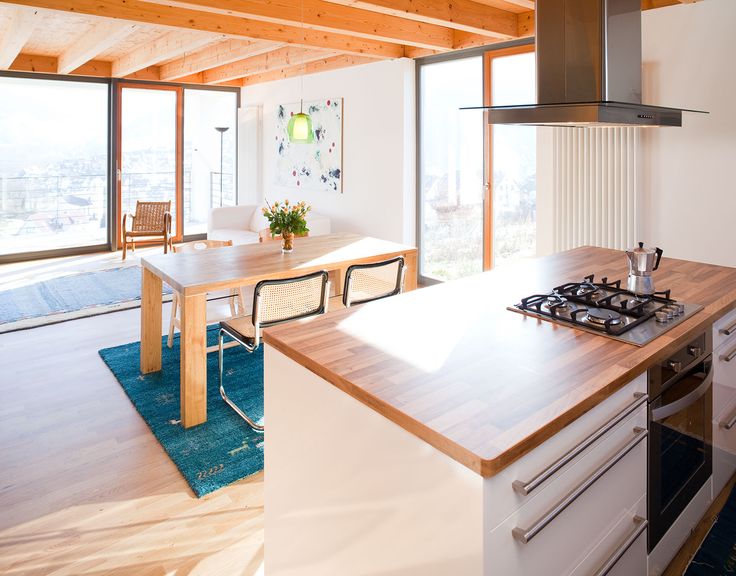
{"x": 483, "y": 384}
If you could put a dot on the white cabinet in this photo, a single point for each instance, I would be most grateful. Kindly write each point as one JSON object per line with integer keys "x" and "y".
{"x": 359, "y": 495}
{"x": 582, "y": 514}
{"x": 556, "y": 456}
{"x": 724, "y": 401}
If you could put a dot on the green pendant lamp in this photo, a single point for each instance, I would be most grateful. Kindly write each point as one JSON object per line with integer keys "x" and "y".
{"x": 299, "y": 128}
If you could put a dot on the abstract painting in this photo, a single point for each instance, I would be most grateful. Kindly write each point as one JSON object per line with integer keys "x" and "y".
{"x": 314, "y": 166}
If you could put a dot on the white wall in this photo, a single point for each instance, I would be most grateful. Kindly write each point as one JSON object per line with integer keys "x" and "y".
{"x": 689, "y": 173}
{"x": 378, "y": 196}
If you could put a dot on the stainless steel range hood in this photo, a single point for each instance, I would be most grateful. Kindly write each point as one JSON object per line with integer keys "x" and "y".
{"x": 588, "y": 69}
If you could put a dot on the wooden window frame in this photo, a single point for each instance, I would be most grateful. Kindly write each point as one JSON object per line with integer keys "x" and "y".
{"x": 179, "y": 157}
{"x": 488, "y": 58}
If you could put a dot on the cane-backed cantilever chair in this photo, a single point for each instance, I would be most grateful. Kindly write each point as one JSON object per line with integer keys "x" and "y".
{"x": 367, "y": 282}
{"x": 150, "y": 223}
{"x": 236, "y": 297}
{"x": 274, "y": 302}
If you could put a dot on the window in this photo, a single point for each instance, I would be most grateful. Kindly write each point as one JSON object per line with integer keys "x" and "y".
{"x": 451, "y": 169}
{"x": 477, "y": 182}
{"x": 512, "y": 158}
{"x": 53, "y": 164}
{"x": 209, "y": 155}
{"x": 149, "y": 149}
{"x": 56, "y": 151}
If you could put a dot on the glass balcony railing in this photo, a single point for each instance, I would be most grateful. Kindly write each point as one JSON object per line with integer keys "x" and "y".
{"x": 51, "y": 212}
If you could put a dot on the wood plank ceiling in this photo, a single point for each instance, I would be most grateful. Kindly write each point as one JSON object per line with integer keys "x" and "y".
{"x": 242, "y": 42}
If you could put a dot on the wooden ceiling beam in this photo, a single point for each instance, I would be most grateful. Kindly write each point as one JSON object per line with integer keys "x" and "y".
{"x": 282, "y": 58}
{"x": 170, "y": 45}
{"x": 329, "y": 17}
{"x": 218, "y": 55}
{"x": 103, "y": 35}
{"x": 323, "y": 65}
{"x": 526, "y": 24}
{"x": 50, "y": 65}
{"x": 15, "y": 30}
{"x": 236, "y": 27}
{"x": 464, "y": 15}
{"x": 528, "y": 4}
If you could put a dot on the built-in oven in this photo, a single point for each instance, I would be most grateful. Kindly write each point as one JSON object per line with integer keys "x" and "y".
{"x": 680, "y": 433}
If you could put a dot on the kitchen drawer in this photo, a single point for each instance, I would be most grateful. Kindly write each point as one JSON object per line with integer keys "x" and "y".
{"x": 560, "y": 545}
{"x": 623, "y": 551}
{"x": 500, "y": 490}
{"x": 724, "y": 443}
{"x": 724, "y": 375}
{"x": 725, "y": 323}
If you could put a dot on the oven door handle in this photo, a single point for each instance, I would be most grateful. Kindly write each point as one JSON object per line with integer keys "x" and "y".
{"x": 688, "y": 399}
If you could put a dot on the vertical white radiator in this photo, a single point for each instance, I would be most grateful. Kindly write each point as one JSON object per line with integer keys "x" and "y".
{"x": 594, "y": 191}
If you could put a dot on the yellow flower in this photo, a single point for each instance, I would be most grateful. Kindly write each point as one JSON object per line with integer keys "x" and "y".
{"x": 286, "y": 201}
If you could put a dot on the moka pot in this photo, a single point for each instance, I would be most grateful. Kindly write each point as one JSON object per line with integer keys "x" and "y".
{"x": 642, "y": 262}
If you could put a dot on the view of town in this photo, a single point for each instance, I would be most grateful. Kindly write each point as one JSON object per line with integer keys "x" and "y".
{"x": 57, "y": 196}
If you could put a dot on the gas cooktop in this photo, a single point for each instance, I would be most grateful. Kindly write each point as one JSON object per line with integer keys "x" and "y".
{"x": 607, "y": 309}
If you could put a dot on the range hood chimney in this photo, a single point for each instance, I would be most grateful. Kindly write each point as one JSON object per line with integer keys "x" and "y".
{"x": 588, "y": 69}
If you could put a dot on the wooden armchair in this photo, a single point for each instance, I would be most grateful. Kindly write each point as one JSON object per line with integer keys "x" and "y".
{"x": 150, "y": 223}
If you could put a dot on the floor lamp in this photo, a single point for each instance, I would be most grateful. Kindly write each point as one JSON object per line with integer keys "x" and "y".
{"x": 221, "y": 130}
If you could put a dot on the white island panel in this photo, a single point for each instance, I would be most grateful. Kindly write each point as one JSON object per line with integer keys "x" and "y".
{"x": 349, "y": 492}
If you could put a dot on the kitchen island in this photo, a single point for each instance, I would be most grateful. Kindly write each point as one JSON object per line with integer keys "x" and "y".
{"x": 396, "y": 430}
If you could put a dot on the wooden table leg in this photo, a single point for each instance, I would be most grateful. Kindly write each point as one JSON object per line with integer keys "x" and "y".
{"x": 193, "y": 387}
{"x": 336, "y": 279}
{"x": 410, "y": 280}
{"x": 151, "y": 292}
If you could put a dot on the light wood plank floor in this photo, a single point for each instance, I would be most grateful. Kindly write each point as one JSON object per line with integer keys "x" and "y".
{"x": 86, "y": 488}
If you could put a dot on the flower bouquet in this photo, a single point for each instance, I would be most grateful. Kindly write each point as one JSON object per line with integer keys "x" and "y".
{"x": 288, "y": 220}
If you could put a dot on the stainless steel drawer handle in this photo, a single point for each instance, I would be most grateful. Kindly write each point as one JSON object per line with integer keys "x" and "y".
{"x": 730, "y": 330}
{"x": 526, "y": 488}
{"x": 730, "y": 423}
{"x": 640, "y": 524}
{"x": 525, "y": 535}
{"x": 730, "y": 356}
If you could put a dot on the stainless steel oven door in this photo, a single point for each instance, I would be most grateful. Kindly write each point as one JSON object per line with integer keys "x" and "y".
{"x": 680, "y": 445}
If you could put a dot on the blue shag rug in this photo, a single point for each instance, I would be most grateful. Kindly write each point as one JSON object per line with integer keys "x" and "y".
{"x": 70, "y": 297}
{"x": 717, "y": 554}
{"x": 223, "y": 449}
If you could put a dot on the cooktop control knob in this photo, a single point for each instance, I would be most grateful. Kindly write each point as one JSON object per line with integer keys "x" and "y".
{"x": 675, "y": 365}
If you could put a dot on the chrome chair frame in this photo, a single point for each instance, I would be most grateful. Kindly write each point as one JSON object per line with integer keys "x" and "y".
{"x": 257, "y": 325}
{"x": 346, "y": 293}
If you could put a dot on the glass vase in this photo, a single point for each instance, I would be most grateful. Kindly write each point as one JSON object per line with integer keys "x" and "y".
{"x": 287, "y": 242}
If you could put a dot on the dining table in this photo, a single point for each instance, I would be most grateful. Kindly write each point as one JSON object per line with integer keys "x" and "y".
{"x": 194, "y": 275}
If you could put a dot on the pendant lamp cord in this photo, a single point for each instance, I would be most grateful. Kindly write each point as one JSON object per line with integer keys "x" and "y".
{"x": 304, "y": 41}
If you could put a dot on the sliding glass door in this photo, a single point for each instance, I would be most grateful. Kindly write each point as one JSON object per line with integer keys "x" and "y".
{"x": 209, "y": 155}
{"x": 53, "y": 165}
{"x": 149, "y": 154}
{"x": 512, "y": 158}
{"x": 476, "y": 182}
{"x": 450, "y": 169}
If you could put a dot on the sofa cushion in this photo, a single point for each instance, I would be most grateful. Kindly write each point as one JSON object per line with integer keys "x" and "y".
{"x": 237, "y": 236}
{"x": 258, "y": 221}
{"x": 231, "y": 217}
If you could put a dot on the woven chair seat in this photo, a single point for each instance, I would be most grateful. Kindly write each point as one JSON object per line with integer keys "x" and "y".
{"x": 141, "y": 233}
{"x": 241, "y": 327}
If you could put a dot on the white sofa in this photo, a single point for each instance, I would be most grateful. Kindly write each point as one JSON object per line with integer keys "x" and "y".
{"x": 241, "y": 224}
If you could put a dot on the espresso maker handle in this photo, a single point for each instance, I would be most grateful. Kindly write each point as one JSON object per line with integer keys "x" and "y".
{"x": 659, "y": 257}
